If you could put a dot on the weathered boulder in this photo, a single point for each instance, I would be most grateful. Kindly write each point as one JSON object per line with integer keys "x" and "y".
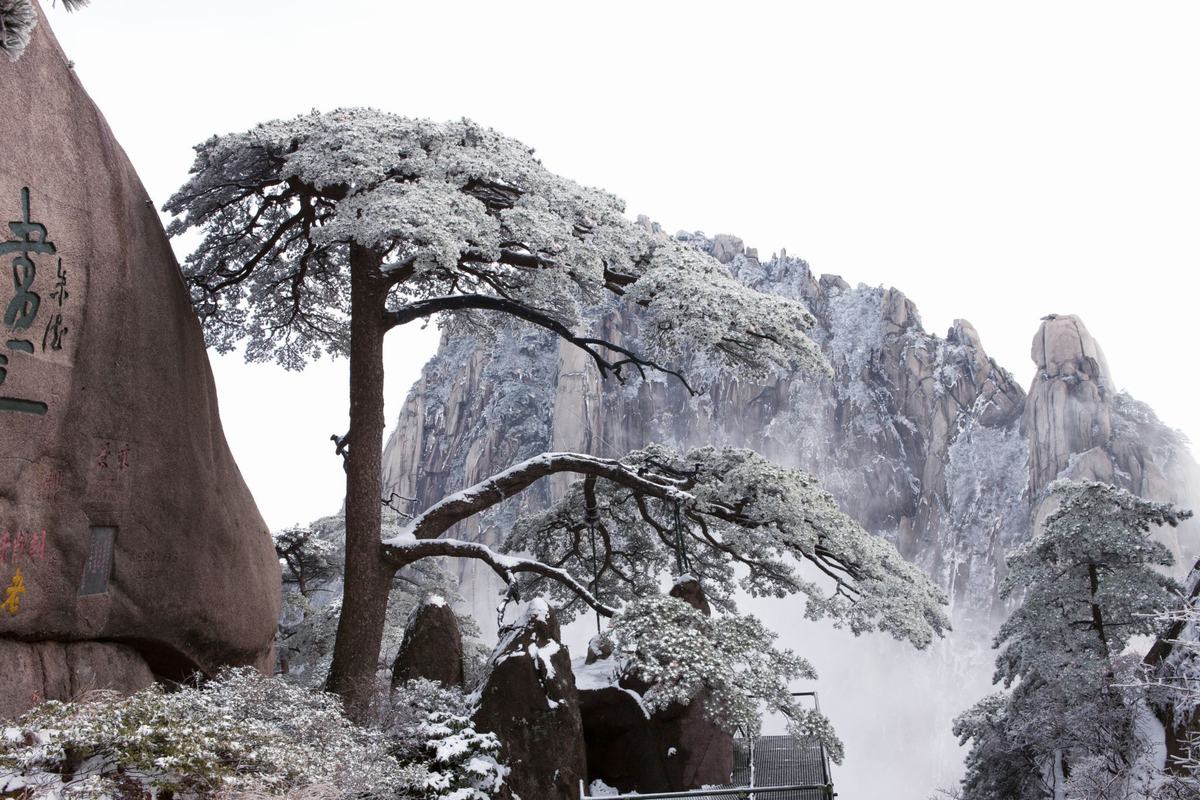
{"x": 689, "y": 590}
{"x": 528, "y": 699}
{"x": 623, "y": 748}
{"x": 672, "y": 749}
{"x": 123, "y": 517}
{"x": 432, "y": 646}
{"x": 37, "y": 671}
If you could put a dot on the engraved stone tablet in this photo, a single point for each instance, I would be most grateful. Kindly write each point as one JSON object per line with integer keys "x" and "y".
{"x": 98, "y": 567}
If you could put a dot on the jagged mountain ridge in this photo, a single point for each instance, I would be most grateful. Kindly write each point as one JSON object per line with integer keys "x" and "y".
{"x": 924, "y": 439}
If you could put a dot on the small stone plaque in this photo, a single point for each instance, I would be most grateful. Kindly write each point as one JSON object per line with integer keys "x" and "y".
{"x": 98, "y": 567}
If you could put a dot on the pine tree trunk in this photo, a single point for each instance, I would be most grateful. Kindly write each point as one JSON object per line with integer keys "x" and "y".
{"x": 368, "y": 577}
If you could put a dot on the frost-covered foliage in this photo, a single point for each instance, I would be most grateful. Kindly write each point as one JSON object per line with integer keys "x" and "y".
{"x": 731, "y": 661}
{"x": 1087, "y": 583}
{"x": 744, "y": 522}
{"x": 1135, "y": 422}
{"x": 1093, "y": 562}
{"x": 312, "y": 557}
{"x": 450, "y": 209}
{"x": 1172, "y": 680}
{"x": 858, "y": 332}
{"x": 306, "y": 555}
{"x": 238, "y": 733}
{"x": 988, "y": 513}
{"x": 431, "y": 724}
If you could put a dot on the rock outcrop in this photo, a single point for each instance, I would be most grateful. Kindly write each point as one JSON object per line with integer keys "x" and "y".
{"x": 528, "y": 699}
{"x": 1079, "y": 427}
{"x": 432, "y": 647}
{"x": 123, "y": 517}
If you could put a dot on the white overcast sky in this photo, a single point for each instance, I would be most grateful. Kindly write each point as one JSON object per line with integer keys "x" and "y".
{"x": 996, "y": 162}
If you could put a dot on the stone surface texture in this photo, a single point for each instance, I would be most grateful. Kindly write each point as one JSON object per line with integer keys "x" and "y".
{"x": 109, "y": 419}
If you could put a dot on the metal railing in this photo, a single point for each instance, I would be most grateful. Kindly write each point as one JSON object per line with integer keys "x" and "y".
{"x": 740, "y": 791}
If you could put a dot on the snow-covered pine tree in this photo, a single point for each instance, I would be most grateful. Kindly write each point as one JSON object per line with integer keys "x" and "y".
{"x": 1086, "y": 584}
{"x": 323, "y": 233}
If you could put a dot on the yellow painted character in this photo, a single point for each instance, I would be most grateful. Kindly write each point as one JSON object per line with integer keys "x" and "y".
{"x": 12, "y": 595}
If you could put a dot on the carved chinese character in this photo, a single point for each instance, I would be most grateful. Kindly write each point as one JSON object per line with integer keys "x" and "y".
{"x": 102, "y": 457}
{"x": 22, "y": 310}
{"x": 5, "y": 547}
{"x": 123, "y": 457}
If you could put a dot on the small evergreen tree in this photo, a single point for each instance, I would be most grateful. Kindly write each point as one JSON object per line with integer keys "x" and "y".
{"x": 1087, "y": 583}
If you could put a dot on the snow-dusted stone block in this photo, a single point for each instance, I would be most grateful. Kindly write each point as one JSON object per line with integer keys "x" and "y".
{"x": 123, "y": 516}
{"x": 528, "y": 700}
{"x": 432, "y": 647}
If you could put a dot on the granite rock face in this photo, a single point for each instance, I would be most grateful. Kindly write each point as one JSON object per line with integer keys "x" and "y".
{"x": 123, "y": 517}
{"x": 528, "y": 699}
{"x": 1079, "y": 427}
{"x": 924, "y": 439}
{"x": 432, "y": 647}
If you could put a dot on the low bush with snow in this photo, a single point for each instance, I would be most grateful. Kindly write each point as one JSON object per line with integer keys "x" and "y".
{"x": 240, "y": 735}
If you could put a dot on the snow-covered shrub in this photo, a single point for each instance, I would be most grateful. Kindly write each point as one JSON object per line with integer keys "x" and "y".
{"x": 245, "y": 735}
{"x": 430, "y": 724}
{"x": 239, "y": 732}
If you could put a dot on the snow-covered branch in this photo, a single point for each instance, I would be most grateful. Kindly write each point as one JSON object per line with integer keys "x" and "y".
{"x": 632, "y": 519}
{"x": 402, "y": 550}
{"x": 595, "y": 348}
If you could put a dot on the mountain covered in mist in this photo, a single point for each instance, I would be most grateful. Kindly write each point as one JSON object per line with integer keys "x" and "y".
{"x": 924, "y": 439}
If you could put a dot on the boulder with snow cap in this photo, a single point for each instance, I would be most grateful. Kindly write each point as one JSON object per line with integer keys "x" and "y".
{"x": 528, "y": 700}
{"x": 432, "y": 646}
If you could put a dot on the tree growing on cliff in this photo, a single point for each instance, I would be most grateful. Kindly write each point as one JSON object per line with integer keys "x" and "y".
{"x": 1086, "y": 584}
{"x": 323, "y": 233}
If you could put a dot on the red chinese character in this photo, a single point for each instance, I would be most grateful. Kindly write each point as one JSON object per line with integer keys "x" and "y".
{"x": 37, "y": 546}
{"x": 123, "y": 457}
{"x": 102, "y": 458}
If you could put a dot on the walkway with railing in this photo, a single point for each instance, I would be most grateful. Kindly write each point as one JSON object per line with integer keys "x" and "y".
{"x": 765, "y": 768}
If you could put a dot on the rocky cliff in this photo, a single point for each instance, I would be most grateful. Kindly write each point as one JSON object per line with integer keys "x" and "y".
{"x": 924, "y": 439}
{"x": 130, "y": 547}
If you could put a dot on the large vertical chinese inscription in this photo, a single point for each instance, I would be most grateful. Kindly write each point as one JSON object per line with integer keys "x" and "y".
{"x": 31, "y": 248}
